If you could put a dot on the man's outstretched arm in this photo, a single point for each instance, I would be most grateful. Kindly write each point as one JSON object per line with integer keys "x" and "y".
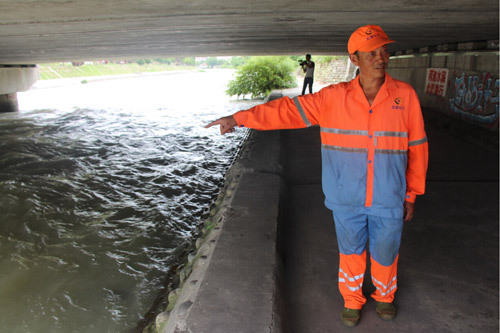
{"x": 281, "y": 113}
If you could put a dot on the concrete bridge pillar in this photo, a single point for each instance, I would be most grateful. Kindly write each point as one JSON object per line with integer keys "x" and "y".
{"x": 8, "y": 102}
{"x": 15, "y": 78}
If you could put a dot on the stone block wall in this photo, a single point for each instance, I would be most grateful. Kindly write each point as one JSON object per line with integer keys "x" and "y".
{"x": 338, "y": 70}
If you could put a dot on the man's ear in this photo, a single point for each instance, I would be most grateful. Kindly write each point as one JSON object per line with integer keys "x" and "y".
{"x": 354, "y": 59}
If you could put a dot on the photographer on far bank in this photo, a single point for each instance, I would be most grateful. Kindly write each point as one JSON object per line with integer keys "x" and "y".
{"x": 308, "y": 68}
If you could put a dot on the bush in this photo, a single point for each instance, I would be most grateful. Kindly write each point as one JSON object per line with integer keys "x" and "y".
{"x": 143, "y": 61}
{"x": 261, "y": 75}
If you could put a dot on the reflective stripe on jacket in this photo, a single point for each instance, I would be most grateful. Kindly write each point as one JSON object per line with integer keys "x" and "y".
{"x": 373, "y": 157}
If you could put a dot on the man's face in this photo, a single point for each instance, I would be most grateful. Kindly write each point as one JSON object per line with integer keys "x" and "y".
{"x": 372, "y": 64}
{"x": 308, "y": 58}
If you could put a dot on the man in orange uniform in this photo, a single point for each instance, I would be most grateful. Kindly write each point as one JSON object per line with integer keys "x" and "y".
{"x": 374, "y": 163}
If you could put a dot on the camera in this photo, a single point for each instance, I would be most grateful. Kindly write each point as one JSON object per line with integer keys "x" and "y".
{"x": 302, "y": 62}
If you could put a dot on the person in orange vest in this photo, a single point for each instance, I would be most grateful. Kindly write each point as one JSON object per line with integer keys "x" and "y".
{"x": 374, "y": 163}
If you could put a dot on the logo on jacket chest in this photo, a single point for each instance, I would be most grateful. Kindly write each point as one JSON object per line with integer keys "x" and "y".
{"x": 398, "y": 104}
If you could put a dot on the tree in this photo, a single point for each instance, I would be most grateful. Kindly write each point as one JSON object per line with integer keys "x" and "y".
{"x": 261, "y": 75}
{"x": 236, "y": 62}
{"x": 212, "y": 62}
{"x": 189, "y": 61}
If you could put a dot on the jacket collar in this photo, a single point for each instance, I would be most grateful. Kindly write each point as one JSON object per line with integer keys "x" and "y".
{"x": 383, "y": 93}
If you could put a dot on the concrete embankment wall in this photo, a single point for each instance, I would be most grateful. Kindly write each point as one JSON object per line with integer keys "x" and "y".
{"x": 459, "y": 89}
{"x": 234, "y": 280}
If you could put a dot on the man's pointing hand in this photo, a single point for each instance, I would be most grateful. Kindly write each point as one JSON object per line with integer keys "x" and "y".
{"x": 227, "y": 124}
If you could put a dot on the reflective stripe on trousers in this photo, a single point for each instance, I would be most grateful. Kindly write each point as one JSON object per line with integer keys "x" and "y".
{"x": 351, "y": 275}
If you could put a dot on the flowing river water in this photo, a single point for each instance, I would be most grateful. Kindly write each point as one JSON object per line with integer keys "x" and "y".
{"x": 102, "y": 185}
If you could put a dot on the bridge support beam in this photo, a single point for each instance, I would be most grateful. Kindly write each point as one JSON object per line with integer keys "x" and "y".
{"x": 13, "y": 79}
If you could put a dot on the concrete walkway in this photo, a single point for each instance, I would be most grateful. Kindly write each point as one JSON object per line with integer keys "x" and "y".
{"x": 448, "y": 268}
{"x": 270, "y": 261}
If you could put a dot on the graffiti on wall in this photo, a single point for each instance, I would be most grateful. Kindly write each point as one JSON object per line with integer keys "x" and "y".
{"x": 475, "y": 97}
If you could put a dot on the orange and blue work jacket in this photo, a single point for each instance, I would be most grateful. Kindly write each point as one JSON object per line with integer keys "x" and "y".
{"x": 374, "y": 157}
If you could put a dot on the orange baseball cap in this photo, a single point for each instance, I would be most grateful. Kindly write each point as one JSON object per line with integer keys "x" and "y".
{"x": 367, "y": 38}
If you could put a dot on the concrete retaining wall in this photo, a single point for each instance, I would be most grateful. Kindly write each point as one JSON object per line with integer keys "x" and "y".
{"x": 234, "y": 280}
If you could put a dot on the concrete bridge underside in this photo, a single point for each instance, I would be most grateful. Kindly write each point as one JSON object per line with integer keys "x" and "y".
{"x": 34, "y": 31}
